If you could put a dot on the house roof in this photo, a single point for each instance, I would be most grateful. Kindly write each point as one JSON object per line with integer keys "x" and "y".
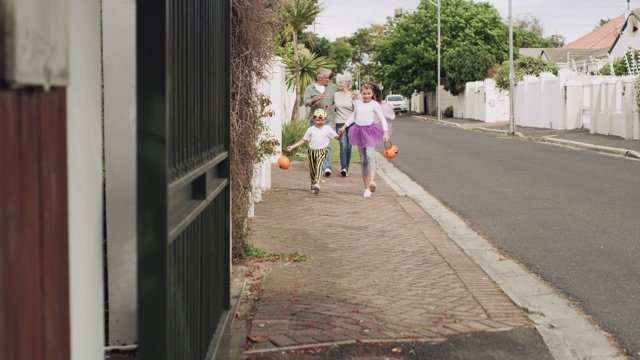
{"x": 560, "y": 55}
{"x": 596, "y": 55}
{"x": 603, "y": 37}
{"x": 534, "y": 52}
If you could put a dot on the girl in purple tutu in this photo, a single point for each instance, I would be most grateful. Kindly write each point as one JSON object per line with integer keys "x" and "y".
{"x": 366, "y": 133}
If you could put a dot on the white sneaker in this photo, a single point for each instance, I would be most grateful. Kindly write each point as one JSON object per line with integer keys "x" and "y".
{"x": 367, "y": 193}
{"x": 372, "y": 186}
{"x": 316, "y": 189}
{"x": 344, "y": 173}
{"x": 327, "y": 172}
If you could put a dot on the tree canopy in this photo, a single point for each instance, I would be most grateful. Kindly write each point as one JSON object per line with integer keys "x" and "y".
{"x": 319, "y": 45}
{"x": 462, "y": 68}
{"x": 340, "y": 52}
{"x": 523, "y": 38}
{"x": 297, "y": 15}
{"x": 530, "y": 23}
{"x": 557, "y": 40}
{"x": 526, "y": 65}
{"x": 408, "y": 54}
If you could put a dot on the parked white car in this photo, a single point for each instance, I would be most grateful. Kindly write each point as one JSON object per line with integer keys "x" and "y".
{"x": 397, "y": 103}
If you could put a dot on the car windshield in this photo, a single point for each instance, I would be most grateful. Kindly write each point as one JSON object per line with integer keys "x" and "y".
{"x": 394, "y": 98}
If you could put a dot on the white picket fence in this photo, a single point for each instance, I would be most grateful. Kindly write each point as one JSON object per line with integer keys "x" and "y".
{"x": 603, "y": 104}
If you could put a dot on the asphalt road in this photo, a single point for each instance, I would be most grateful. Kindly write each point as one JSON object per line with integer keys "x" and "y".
{"x": 570, "y": 216}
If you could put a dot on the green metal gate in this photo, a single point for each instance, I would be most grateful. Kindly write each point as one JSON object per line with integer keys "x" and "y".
{"x": 183, "y": 84}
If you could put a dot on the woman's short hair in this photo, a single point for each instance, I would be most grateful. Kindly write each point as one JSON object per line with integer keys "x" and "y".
{"x": 345, "y": 78}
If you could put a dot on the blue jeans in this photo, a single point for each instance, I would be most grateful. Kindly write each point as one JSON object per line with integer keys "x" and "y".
{"x": 345, "y": 148}
{"x": 327, "y": 162}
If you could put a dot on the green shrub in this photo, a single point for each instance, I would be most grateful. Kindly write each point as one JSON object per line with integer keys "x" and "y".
{"x": 292, "y": 132}
{"x": 448, "y": 112}
{"x": 525, "y": 65}
{"x": 433, "y": 112}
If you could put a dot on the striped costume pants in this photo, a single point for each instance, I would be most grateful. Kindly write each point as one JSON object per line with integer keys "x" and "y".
{"x": 316, "y": 163}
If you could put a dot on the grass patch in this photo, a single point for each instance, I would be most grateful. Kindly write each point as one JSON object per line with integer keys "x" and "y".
{"x": 251, "y": 251}
{"x": 335, "y": 153}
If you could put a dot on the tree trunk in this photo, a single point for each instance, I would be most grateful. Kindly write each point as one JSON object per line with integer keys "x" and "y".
{"x": 295, "y": 113}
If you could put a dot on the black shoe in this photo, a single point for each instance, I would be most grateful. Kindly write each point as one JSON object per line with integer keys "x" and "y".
{"x": 343, "y": 173}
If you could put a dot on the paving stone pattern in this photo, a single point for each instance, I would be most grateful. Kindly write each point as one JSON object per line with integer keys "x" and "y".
{"x": 379, "y": 268}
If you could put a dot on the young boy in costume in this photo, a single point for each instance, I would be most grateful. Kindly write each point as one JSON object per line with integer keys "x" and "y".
{"x": 318, "y": 136}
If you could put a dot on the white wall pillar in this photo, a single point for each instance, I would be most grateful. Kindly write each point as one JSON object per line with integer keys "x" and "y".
{"x": 573, "y": 105}
{"x": 471, "y": 101}
{"x": 609, "y": 106}
{"x": 595, "y": 105}
{"x": 552, "y": 102}
{"x": 120, "y": 152}
{"x": 628, "y": 106}
{"x": 84, "y": 141}
{"x": 533, "y": 98}
{"x": 481, "y": 101}
{"x": 461, "y": 109}
{"x": 491, "y": 96}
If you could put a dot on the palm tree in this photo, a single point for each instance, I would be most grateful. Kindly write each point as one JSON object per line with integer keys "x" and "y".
{"x": 309, "y": 65}
{"x": 297, "y": 15}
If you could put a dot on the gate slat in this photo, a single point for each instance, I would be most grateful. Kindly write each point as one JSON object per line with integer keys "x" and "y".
{"x": 183, "y": 126}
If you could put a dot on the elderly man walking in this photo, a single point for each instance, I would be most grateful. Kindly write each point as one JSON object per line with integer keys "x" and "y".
{"x": 320, "y": 95}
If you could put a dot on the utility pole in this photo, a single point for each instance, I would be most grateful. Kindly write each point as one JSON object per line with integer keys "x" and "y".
{"x": 438, "y": 80}
{"x": 512, "y": 122}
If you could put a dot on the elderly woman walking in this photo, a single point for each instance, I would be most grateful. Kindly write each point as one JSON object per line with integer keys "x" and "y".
{"x": 344, "y": 101}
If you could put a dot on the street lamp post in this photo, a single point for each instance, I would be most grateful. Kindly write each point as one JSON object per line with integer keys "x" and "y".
{"x": 437, "y": 4}
{"x": 512, "y": 122}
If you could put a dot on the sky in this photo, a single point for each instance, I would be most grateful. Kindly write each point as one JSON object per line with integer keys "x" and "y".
{"x": 570, "y": 18}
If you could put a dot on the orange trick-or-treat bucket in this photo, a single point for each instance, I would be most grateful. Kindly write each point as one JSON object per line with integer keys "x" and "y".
{"x": 284, "y": 162}
{"x": 391, "y": 151}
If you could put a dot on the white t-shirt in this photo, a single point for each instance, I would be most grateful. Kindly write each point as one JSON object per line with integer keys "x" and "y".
{"x": 366, "y": 113}
{"x": 319, "y": 138}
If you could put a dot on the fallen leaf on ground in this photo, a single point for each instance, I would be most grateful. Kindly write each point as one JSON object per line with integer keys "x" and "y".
{"x": 258, "y": 338}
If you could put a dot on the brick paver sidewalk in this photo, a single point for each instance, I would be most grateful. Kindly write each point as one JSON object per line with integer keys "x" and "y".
{"x": 379, "y": 269}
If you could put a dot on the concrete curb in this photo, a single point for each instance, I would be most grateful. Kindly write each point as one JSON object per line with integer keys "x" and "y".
{"x": 562, "y": 142}
{"x": 568, "y": 333}
{"x": 478, "y": 128}
{"x": 593, "y": 147}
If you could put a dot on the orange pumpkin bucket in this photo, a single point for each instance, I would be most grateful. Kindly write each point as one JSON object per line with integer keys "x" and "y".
{"x": 284, "y": 163}
{"x": 390, "y": 151}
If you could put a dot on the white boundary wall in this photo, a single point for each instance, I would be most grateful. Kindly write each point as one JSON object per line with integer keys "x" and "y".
{"x": 84, "y": 134}
{"x": 119, "y": 56}
{"x": 603, "y": 104}
{"x": 282, "y": 100}
{"x": 482, "y": 101}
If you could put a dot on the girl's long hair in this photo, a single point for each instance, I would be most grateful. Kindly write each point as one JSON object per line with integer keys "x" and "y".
{"x": 377, "y": 93}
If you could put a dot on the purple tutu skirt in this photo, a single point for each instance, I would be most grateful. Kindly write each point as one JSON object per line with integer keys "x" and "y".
{"x": 367, "y": 135}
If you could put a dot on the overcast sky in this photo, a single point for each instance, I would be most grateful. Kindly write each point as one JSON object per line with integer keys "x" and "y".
{"x": 570, "y": 18}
